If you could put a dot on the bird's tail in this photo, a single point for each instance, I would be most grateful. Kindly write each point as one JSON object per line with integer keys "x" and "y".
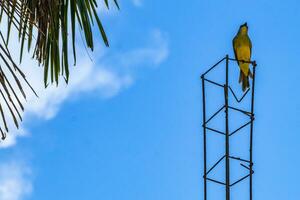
{"x": 245, "y": 80}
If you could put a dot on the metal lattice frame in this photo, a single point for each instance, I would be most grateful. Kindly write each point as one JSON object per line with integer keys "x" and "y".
{"x": 248, "y": 164}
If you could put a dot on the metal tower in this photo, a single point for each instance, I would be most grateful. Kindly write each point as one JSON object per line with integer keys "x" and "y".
{"x": 228, "y": 156}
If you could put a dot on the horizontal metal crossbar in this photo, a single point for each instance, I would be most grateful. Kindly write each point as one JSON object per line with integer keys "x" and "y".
{"x": 240, "y": 180}
{"x": 214, "y": 130}
{"x": 243, "y": 126}
{"x": 242, "y": 111}
{"x": 234, "y": 183}
{"x": 253, "y": 63}
{"x": 218, "y": 111}
{"x": 213, "y": 67}
{"x": 215, "y": 181}
{"x": 239, "y": 159}
{"x": 214, "y": 115}
{"x": 245, "y": 166}
{"x": 215, "y": 83}
{"x": 215, "y": 164}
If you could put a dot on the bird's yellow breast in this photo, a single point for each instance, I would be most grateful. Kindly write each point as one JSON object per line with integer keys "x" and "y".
{"x": 243, "y": 52}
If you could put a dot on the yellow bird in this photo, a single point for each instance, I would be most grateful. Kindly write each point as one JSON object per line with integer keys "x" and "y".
{"x": 242, "y": 49}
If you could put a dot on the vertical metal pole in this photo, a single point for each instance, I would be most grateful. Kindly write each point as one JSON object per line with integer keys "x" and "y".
{"x": 204, "y": 137}
{"x": 251, "y": 129}
{"x": 227, "y": 134}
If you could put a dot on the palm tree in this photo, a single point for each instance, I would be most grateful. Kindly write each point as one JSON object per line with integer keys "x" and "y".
{"x": 42, "y": 25}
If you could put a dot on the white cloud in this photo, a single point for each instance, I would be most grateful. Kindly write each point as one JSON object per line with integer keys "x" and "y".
{"x": 153, "y": 54}
{"x": 86, "y": 77}
{"x": 105, "y": 77}
{"x": 11, "y": 137}
{"x": 15, "y": 181}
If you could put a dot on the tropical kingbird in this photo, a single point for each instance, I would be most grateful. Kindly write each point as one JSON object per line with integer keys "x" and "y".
{"x": 242, "y": 49}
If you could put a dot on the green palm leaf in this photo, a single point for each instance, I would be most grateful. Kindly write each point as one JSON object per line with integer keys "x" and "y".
{"x": 43, "y": 25}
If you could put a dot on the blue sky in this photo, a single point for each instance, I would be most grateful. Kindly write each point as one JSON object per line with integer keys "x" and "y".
{"x": 129, "y": 124}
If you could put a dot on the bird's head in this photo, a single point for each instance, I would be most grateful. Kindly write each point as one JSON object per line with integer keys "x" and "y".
{"x": 244, "y": 28}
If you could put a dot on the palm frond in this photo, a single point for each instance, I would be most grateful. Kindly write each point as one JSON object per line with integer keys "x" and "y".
{"x": 43, "y": 26}
{"x": 51, "y": 19}
{"x": 12, "y": 82}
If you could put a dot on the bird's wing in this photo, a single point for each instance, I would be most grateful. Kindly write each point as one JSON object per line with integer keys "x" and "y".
{"x": 234, "y": 43}
{"x": 250, "y": 45}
